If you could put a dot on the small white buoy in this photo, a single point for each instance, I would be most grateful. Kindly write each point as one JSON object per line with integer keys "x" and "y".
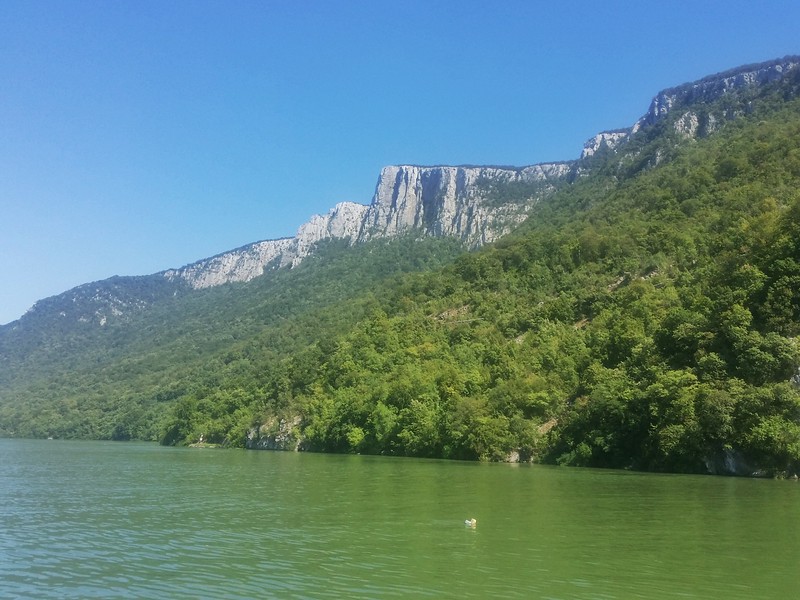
{"x": 471, "y": 522}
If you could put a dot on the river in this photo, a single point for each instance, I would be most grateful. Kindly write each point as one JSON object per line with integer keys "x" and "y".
{"x": 134, "y": 520}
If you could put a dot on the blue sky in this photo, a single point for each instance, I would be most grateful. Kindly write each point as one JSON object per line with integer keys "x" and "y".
{"x": 139, "y": 135}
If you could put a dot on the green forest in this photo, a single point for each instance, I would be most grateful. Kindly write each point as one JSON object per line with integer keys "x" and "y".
{"x": 644, "y": 317}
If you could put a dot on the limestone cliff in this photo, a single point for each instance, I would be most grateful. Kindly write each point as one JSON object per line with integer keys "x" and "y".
{"x": 693, "y": 123}
{"x": 449, "y": 201}
{"x": 604, "y": 140}
{"x": 713, "y": 87}
{"x": 433, "y": 201}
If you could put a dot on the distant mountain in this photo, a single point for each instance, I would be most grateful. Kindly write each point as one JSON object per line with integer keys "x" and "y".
{"x": 371, "y": 330}
{"x": 454, "y": 201}
{"x": 429, "y": 201}
{"x": 457, "y": 201}
{"x": 699, "y": 116}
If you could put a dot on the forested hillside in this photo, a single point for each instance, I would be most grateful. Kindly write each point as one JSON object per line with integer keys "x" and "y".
{"x": 78, "y": 380}
{"x": 646, "y": 316}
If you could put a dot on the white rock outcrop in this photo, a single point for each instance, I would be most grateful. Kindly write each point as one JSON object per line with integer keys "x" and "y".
{"x": 434, "y": 201}
{"x": 712, "y": 87}
{"x": 447, "y": 201}
{"x": 242, "y": 264}
{"x": 605, "y": 139}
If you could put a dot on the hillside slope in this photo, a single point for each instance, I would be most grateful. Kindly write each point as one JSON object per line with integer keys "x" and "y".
{"x": 116, "y": 381}
{"x": 644, "y": 317}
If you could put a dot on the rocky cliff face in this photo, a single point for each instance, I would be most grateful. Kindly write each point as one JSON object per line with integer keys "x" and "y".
{"x": 433, "y": 201}
{"x": 449, "y": 201}
{"x": 692, "y": 108}
{"x": 691, "y": 123}
{"x": 604, "y": 140}
{"x": 713, "y": 87}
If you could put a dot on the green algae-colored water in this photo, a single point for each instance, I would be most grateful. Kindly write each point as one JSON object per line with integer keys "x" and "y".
{"x": 114, "y": 520}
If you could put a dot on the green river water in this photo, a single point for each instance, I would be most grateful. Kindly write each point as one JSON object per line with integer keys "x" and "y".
{"x": 115, "y": 520}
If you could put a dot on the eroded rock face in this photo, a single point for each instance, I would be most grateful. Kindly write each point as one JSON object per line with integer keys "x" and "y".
{"x": 705, "y": 91}
{"x": 605, "y": 139}
{"x": 435, "y": 201}
{"x": 276, "y": 434}
{"x": 345, "y": 220}
{"x": 242, "y": 264}
{"x": 446, "y": 201}
{"x": 713, "y": 87}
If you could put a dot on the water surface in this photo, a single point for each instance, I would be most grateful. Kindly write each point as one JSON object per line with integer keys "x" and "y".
{"x": 113, "y": 520}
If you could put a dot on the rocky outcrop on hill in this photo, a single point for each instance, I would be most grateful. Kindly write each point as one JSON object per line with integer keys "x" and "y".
{"x": 450, "y": 201}
{"x": 693, "y": 123}
{"x": 242, "y": 264}
{"x": 605, "y": 140}
{"x": 276, "y": 434}
{"x": 433, "y": 201}
{"x": 713, "y": 87}
{"x": 795, "y": 380}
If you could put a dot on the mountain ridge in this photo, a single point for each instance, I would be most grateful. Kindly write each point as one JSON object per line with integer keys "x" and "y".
{"x": 481, "y": 230}
{"x": 438, "y": 200}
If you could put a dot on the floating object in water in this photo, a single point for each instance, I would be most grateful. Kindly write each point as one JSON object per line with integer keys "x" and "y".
{"x": 471, "y": 522}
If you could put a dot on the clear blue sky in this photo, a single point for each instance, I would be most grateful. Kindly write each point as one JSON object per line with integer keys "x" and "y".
{"x": 139, "y": 135}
